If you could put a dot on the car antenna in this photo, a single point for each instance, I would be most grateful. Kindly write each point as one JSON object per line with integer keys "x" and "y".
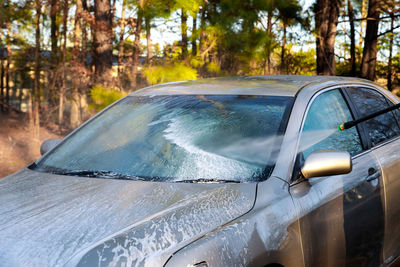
{"x": 349, "y": 124}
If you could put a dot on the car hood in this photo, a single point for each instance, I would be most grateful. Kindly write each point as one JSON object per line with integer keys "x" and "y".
{"x": 54, "y": 220}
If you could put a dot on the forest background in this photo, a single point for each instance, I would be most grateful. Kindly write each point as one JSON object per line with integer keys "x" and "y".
{"x": 63, "y": 60}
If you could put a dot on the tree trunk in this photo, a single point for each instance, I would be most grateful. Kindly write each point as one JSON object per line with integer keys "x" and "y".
{"x": 202, "y": 45}
{"x": 371, "y": 39}
{"x": 7, "y": 71}
{"x": 75, "y": 107}
{"x": 364, "y": 13}
{"x": 63, "y": 83}
{"x": 184, "y": 41}
{"x": 326, "y": 20}
{"x": 84, "y": 34}
{"x": 283, "y": 49}
{"x": 148, "y": 40}
{"x": 269, "y": 44}
{"x": 103, "y": 42}
{"x": 136, "y": 45}
{"x": 352, "y": 39}
{"x": 36, "y": 86}
{"x": 121, "y": 38}
{"x": 390, "y": 63}
{"x": 77, "y": 31}
{"x": 2, "y": 85}
{"x": 194, "y": 36}
{"x": 53, "y": 27}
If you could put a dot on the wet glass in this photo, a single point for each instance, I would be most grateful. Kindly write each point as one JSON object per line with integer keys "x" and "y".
{"x": 320, "y": 130}
{"x": 368, "y": 101}
{"x": 177, "y": 138}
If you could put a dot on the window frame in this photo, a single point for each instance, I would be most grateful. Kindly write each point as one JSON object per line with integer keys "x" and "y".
{"x": 349, "y": 106}
{"x": 360, "y": 130}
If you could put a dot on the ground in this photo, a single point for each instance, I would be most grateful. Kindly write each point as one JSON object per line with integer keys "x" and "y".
{"x": 16, "y": 147}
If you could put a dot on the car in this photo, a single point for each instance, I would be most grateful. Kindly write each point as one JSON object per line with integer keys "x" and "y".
{"x": 242, "y": 171}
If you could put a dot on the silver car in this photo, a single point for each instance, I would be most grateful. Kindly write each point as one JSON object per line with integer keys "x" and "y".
{"x": 248, "y": 171}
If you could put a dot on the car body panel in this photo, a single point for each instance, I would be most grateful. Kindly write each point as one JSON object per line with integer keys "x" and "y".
{"x": 282, "y": 85}
{"x": 341, "y": 217}
{"x": 268, "y": 234}
{"x": 387, "y": 155}
{"x": 48, "y": 219}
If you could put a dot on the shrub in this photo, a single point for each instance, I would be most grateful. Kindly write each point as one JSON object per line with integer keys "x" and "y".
{"x": 102, "y": 97}
{"x": 169, "y": 73}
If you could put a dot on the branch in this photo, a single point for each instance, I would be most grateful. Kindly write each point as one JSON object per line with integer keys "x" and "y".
{"x": 360, "y": 19}
{"x": 388, "y": 31}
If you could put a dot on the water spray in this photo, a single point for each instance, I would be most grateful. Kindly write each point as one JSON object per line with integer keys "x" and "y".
{"x": 349, "y": 124}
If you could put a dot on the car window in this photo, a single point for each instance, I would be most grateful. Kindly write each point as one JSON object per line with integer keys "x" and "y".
{"x": 320, "y": 130}
{"x": 368, "y": 101}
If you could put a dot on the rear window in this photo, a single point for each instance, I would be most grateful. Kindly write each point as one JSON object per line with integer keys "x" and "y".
{"x": 368, "y": 101}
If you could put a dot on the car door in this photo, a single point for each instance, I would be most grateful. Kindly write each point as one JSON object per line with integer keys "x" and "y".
{"x": 341, "y": 217}
{"x": 383, "y": 134}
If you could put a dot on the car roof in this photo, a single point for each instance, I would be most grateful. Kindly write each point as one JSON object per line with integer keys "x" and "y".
{"x": 280, "y": 85}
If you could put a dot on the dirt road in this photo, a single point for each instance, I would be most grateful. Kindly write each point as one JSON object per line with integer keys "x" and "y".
{"x": 16, "y": 147}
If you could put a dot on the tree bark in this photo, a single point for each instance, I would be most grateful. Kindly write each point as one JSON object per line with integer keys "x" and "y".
{"x": 84, "y": 34}
{"x": 53, "y": 27}
{"x": 75, "y": 107}
{"x": 184, "y": 41}
{"x": 390, "y": 63}
{"x": 364, "y": 13}
{"x": 283, "y": 68}
{"x": 2, "y": 85}
{"x": 194, "y": 36}
{"x": 103, "y": 42}
{"x": 121, "y": 37}
{"x": 136, "y": 45}
{"x": 269, "y": 44}
{"x": 326, "y": 20}
{"x": 64, "y": 54}
{"x": 148, "y": 40}
{"x": 202, "y": 45}
{"x": 7, "y": 70}
{"x": 370, "y": 51}
{"x": 36, "y": 86}
{"x": 352, "y": 39}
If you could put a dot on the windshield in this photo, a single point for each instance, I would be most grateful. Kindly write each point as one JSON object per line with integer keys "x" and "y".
{"x": 177, "y": 138}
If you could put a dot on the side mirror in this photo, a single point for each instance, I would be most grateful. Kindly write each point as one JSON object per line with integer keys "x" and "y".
{"x": 326, "y": 163}
{"x": 49, "y": 145}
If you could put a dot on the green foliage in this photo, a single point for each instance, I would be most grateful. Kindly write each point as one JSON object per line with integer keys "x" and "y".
{"x": 213, "y": 67}
{"x": 192, "y": 6}
{"x": 102, "y": 97}
{"x": 302, "y": 62}
{"x": 196, "y": 62}
{"x": 169, "y": 73}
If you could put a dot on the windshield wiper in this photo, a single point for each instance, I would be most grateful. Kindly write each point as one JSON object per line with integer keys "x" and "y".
{"x": 97, "y": 174}
{"x": 202, "y": 180}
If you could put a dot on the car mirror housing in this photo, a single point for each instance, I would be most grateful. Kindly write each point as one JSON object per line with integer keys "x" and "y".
{"x": 49, "y": 145}
{"x": 326, "y": 163}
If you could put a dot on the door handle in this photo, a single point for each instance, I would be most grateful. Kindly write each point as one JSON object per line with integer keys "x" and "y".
{"x": 372, "y": 174}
